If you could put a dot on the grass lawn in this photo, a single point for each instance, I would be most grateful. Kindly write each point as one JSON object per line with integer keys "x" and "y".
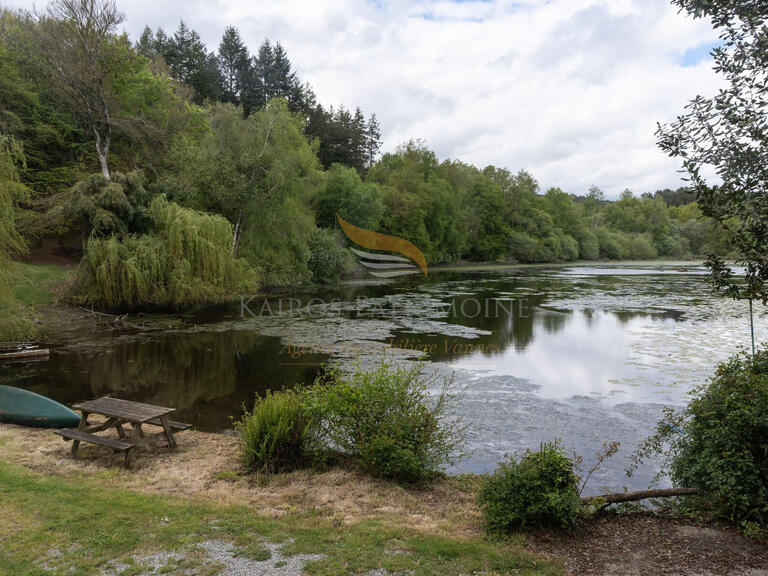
{"x": 60, "y": 525}
{"x": 36, "y": 284}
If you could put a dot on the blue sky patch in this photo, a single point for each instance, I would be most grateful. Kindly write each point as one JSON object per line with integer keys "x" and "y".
{"x": 695, "y": 55}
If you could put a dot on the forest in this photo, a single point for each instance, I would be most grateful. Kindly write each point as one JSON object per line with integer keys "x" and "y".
{"x": 182, "y": 176}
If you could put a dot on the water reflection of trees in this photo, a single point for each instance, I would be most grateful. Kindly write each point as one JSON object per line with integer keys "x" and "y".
{"x": 206, "y": 375}
{"x": 523, "y": 311}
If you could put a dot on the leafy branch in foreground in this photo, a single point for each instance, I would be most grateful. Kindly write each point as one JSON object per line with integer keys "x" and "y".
{"x": 729, "y": 133}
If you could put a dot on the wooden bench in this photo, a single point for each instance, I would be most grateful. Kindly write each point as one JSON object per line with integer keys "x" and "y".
{"x": 175, "y": 426}
{"x": 78, "y": 436}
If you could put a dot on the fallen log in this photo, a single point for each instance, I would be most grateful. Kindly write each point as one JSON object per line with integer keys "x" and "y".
{"x": 642, "y": 495}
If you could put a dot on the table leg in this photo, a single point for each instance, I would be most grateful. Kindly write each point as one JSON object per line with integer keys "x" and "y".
{"x": 120, "y": 431}
{"x": 137, "y": 429}
{"x": 168, "y": 431}
{"x": 83, "y": 421}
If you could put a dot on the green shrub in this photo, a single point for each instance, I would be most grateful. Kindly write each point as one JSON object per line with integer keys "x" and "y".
{"x": 330, "y": 258}
{"x": 719, "y": 442}
{"x": 116, "y": 206}
{"x": 538, "y": 491}
{"x": 671, "y": 246}
{"x": 639, "y": 246}
{"x": 394, "y": 422}
{"x": 17, "y": 321}
{"x": 522, "y": 247}
{"x": 569, "y": 248}
{"x": 589, "y": 248}
{"x": 611, "y": 243}
{"x": 274, "y": 435}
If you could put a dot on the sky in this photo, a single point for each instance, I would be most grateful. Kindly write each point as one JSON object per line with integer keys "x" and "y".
{"x": 570, "y": 90}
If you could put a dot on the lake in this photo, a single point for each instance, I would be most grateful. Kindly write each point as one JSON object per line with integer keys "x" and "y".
{"x": 586, "y": 353}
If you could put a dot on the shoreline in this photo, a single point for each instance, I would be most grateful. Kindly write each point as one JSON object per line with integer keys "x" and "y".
{"x": 338, "y": 504}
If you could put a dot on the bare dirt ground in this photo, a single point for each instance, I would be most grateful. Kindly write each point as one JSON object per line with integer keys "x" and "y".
{"x": 645, "y": 545}
{"x": 205, "y": 465}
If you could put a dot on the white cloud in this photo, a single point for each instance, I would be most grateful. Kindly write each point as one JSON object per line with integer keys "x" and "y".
{"x": 568, "y": 89}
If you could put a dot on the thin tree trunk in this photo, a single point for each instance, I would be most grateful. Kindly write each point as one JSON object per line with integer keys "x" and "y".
{"x": 103, "y": 152}
{"x": 642, "y": 495}
{"x": 104, "y": 166}
{"x": 236, "y": 235}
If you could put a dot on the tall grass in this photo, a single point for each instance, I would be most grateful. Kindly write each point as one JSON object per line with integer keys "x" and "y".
{"x": 274, "y": 434}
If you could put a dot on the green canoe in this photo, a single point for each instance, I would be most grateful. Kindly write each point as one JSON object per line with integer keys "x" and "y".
{"x": 26, "y": 408}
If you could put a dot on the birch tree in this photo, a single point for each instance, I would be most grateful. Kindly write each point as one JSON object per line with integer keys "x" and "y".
{"x": 76, "y": 42}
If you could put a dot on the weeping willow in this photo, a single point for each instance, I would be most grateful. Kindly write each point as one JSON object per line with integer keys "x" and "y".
{"x": 186, "y": 260}
{"x": 16, "y": 320}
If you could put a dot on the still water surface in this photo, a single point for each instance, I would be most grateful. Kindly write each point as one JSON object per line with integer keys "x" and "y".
{"x": 589, "y": 354}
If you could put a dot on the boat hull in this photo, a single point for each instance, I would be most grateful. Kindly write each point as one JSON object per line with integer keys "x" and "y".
{"x": 25, "y": 408}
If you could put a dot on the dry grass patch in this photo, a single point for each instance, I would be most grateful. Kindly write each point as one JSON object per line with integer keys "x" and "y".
{"x": 204, "y": 466}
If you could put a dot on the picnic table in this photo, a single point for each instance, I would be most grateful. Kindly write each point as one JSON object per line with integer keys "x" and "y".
{"x": 120, "y": 412}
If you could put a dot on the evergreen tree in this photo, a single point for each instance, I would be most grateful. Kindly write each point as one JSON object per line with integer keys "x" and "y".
{"x": 261, "y": 78}
{"x": 344, "y": 138}
{"x": 161, "y": 42}
{"x": 272, "y": 76}
{"x": 283, "y": 77}
{"x": 234, "y": 63}
{"x": 358, "y": 140}
{"x": 146, "y": 46}
{"x": 190, "y": 63}
{"x": 372, "y": 141}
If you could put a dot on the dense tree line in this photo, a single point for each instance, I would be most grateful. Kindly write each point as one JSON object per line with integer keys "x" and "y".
{"x": 234, "y": 76}
{"x": 189, "y": 174}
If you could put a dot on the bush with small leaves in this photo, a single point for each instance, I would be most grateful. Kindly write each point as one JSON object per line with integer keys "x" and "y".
{"x": 393, "y": 421}
{"x": 540, "y": 490}
{"x": 719, "y": 442}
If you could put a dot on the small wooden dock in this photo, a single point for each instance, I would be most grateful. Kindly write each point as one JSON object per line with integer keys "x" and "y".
{"x": 14, "y": 351}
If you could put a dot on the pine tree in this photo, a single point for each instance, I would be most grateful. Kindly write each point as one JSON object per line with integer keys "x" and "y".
{"x": 372, "y": 141}
{"x": 234, "y": 63}
{"x": 146, "y": 46}
{"x": 262, "y": 77}
{"x": 272, "y": 76}
{"x": 283, "y": 78}
{"x": 161, "y": 43}
{"x": 345, "y": 138}
{"x": 190, "y": 63}
{"x": 358, "y": 141}
{"x": 207, "y": 82}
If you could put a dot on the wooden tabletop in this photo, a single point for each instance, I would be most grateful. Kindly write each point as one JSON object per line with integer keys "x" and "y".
{"x": 123, "y": 409}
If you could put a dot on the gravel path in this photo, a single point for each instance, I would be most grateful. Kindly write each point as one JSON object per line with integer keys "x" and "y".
{"x": 222, "y": 554}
